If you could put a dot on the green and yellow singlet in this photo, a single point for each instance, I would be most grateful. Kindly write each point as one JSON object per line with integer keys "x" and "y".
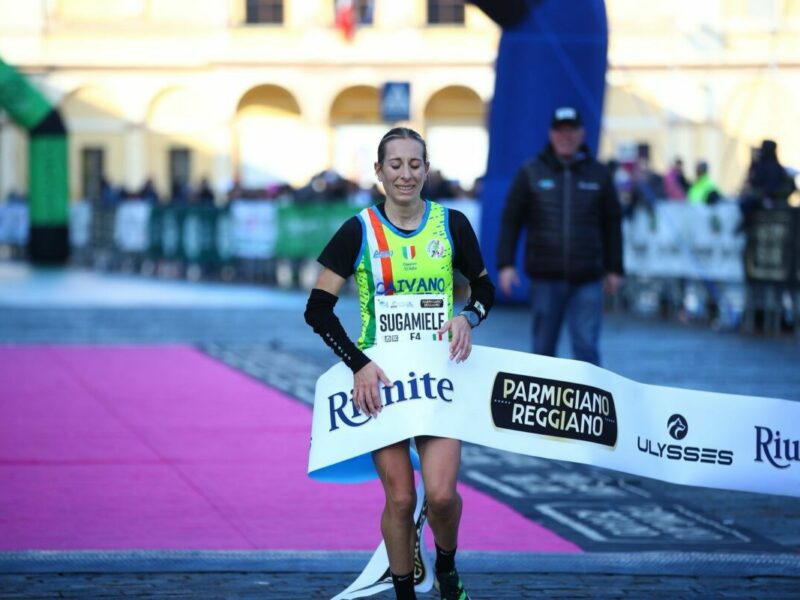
{"x": 392, "y": 263}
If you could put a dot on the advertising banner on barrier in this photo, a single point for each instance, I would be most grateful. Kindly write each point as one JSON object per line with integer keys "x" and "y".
{"x": 304, "y": 229}
{"x": 680, "y": 240}
{"x": 80, "y": 222}
{"x": 559, "y": 409}
{"x": 200, "y": 235}
{"x": 132, "y": 226}
{"x": 254, "y": 228}
{"x": 772, "y": 247}
{"x": 14, "y": 224}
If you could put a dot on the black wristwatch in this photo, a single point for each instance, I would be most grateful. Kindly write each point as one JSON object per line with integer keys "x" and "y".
{"x": 472, "y": 318}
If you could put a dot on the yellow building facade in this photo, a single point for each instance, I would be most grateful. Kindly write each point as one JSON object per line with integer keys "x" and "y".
{"x": 196, "y": 89}
{"x": 704, "y": 80}
{"x": 165, "y": 85}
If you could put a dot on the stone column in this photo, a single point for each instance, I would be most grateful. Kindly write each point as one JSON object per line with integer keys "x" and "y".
{"x": 135, "y": 157}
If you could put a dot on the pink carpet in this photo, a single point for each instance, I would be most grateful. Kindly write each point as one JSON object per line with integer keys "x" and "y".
{"x": 164, "y": 447}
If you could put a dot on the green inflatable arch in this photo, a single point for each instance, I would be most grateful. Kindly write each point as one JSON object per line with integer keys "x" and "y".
{"x": 48, "y": 189}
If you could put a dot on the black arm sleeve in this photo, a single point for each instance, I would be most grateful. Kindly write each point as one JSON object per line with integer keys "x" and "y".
{"x": 320, "y": 316}
{"x": 467, "y": 259}
{"x": 513, "y": 219}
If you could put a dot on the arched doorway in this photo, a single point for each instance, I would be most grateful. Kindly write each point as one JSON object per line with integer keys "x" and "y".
{"x": 96, "y": 124}
{"x": 357, "y": 129}
{"x": 458, "y": 141}
{"x": 180, "y": 141}
{"x": 270, "y": 138}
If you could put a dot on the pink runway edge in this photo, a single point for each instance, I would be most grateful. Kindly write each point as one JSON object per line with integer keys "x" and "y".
{"x": 164, "y": 447}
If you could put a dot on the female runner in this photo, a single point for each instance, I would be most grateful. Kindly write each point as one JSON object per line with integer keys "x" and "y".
{"x": 411, "y": 240}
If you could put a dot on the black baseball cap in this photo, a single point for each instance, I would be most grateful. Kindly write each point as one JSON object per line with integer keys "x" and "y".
{"x": 565, "y": 114}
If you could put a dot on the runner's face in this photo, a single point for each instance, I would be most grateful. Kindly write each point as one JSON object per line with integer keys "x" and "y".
{"x": 403, "y": 170}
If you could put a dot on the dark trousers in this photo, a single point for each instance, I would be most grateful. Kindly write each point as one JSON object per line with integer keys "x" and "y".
{"x": 579, "y": 304}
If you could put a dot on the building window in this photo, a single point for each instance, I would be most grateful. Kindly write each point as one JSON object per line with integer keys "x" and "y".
{"x": 180, "y": 169}
{"x": 445, "y": 12}
{"x": 363, "y": 10}
{"x": 92, "y": 164}
{"x": 265, "y": 11}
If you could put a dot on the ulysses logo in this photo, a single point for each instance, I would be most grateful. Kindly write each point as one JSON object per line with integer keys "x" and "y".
{"x": 678, "y": 428}
{"x": 343, "y": 412}
{"x": 778, "y": 451}
{"x": 562, "y": 409}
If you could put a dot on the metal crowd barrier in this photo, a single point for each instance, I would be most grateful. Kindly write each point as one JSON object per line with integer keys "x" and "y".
{"x": 275, "y": 242}
{"x": 682, "y": 262}
{"x": 772, "y": 269}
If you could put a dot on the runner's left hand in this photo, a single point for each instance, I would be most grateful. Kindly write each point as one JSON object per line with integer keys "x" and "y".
{"x": 461, "y": 344}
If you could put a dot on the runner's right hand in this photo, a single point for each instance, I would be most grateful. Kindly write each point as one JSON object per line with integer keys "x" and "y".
{"x": 366, "y": 395}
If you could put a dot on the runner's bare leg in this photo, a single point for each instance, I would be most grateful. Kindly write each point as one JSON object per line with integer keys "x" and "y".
{"x": 441, "y": 459}
{"x": 397, "y": 521}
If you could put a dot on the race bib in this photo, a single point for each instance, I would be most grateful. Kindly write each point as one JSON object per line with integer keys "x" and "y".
{"x": 410, "y": 317}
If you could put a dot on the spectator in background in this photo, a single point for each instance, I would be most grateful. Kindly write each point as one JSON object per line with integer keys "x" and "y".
{"x": 148, "y": 191}
{"x": 769, "y": 184}
{"x": 204, "y": 194}
{"x": 703, "y": 190}
{"x": 623, "y": 184}
{"x": 15, "y": 197}
{"x": 675, "y": 183}
{"x": 647, "y": 187}
{"x": 437, "y": 187}
{"x": 180, "y": 191}
{"x": 235, "y": 192}
{"x": 568, "y": 203}
{"x": 326, "y": 185}
{"x": 109, "y": 195}
{"x": 477, "y": 188}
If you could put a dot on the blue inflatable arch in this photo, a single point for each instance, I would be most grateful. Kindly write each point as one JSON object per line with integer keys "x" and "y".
{"x": 551, "y": 53}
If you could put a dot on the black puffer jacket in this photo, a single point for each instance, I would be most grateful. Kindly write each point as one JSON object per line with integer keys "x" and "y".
{"x": 572, "y": 216}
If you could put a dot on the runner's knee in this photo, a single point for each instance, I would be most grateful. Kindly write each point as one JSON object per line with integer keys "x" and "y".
{"x": 401, "y": 503}
{"x": 441, "y": 501}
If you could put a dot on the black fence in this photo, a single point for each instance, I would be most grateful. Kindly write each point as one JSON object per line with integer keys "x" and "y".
{"x": 772, "y": 271}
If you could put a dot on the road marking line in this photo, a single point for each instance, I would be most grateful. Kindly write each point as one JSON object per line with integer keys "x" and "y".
{"x": 565, "y": 520}
{"x": 493, "y": 483}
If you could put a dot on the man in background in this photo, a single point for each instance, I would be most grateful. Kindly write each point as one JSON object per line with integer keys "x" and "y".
{"x": 567, "y": 202}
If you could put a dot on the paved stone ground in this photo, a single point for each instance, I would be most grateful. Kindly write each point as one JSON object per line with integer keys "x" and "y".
{"x": 294, "y": 586}
{"x": 489, "y": 575}
{"x": 272, "y": 344}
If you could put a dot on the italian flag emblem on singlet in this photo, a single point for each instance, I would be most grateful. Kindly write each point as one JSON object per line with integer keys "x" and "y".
{"x": 409, "y": 252}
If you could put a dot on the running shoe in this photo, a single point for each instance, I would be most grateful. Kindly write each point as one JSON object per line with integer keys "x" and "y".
{"x": 450, "y": 586}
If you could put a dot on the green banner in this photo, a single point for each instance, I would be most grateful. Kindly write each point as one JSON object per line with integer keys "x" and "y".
{"x": 223, "y": 236}
{"x": 49, "y": 188}
{"x": 193, "y": 234}
{"x": 200, "y": 235}
{"x": 303, "y": 230}
{"x": 24, "y": 104}
{"x": 165, "y": 232}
